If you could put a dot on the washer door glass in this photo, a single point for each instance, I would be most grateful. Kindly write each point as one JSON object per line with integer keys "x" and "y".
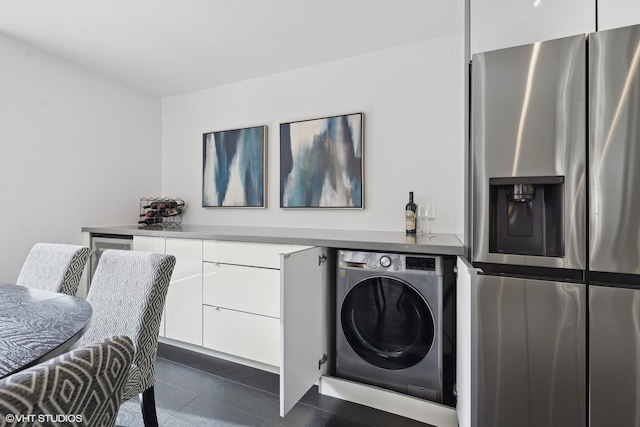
{"x": 387, "y": 322}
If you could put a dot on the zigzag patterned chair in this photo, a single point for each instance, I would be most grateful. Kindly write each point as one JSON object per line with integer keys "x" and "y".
{"x": 80, "y": 388}
{"x": 127, "y": 294}
{"x": 54, "y": 267}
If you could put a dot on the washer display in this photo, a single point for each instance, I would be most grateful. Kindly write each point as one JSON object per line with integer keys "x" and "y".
{"x": 389, "y": 309}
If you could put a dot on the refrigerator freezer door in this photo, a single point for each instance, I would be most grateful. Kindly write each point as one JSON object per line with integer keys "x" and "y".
{"x": 614, "y": 150}
{"x": 531, "y": 352}
{"x": 614, "y": 356}
{"x": 529, "y": 120}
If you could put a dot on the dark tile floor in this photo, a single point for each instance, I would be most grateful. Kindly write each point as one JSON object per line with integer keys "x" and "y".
{"x": 196, "y": 390}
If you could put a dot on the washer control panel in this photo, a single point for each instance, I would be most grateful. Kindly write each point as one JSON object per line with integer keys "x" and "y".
{"x": 391, "y": 262}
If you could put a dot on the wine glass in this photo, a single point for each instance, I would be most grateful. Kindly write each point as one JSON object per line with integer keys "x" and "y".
{"x": 422, "y": 216}
{"x": 430, "y": 215}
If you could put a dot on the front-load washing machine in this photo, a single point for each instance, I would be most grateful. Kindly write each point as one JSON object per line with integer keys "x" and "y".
{"x": 389, "y": 316}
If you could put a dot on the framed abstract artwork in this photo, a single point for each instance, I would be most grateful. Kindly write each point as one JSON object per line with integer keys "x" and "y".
{"x": 321, "y": 162}
{"x": 234, "y": 168}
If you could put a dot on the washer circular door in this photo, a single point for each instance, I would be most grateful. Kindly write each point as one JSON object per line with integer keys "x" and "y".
{"x": 387, "y": 322}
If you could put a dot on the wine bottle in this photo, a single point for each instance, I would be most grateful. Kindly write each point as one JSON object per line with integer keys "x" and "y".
{"x": 169, "y": 204}
{"x": 174, "y": 204}
{"x": 152, "y": 214}
{"x": 155, "y": 205}
{"x": 172, "y": 212}
{"x": 149, "y": 221}
{"x": 410, "y": 215}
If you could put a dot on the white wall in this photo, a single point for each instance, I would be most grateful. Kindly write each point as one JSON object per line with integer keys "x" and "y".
{"x": 617, "y": 13}
{"x": 413, "y": 101}
{"x": 77, "y": 149}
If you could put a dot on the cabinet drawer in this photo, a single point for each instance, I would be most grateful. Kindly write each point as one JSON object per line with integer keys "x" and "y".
{"x": 243, "y": 253}
{"x": 250, "y": 289}
{"x": 245, "y": 335}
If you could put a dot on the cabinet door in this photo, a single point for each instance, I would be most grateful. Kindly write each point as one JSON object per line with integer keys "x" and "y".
{"x": 303, "y": 275}
{"x": 149, "y": 244}
{"x": 157, "y": 245}
{"x": 184, "y": 300}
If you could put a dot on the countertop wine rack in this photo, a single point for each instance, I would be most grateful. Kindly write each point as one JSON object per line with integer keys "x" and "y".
{"x": 161, "y": 212}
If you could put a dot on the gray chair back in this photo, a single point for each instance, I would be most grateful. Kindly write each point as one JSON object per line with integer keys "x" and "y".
{"x": 127, "y": 294}
{"x": 84, "y": 385}
{"x": 54, "y": 267}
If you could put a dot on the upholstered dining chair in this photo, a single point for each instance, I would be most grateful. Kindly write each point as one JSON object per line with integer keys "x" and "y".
{"x": 127, "y": 294}
{"x": 80, "y": 388}
{"x": 54, "y": 267}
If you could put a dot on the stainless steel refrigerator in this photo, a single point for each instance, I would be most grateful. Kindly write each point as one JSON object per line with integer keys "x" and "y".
{"x": 558, "y": 240}
{"x": 529, "y": 187}
{"x": 614, "y": 227}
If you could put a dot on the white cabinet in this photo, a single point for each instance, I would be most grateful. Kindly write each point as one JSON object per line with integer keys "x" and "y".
{"x": 183, "y": 308}
{"x": 182, "y": 318}
{"x": 242, "y": 298}
{"x": 245, "y": 253}
{"x": 497, "y": 24}
{"x": 263, "y": 302}
{"x": 302, "y": 321}
{"x": 242, "y": 301}
{"x": 157, "y": 245}
{"x": 266, "y": 302}
{"x": 246, "y": 335}
{"x": 618, "y": 13}
{"x": 149, "y": 244}
{"x": 242, "y": 288}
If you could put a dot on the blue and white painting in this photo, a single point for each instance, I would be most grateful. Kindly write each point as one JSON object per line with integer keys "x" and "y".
{"x": 321, "y": 163}
{"x": 233, "y": 173}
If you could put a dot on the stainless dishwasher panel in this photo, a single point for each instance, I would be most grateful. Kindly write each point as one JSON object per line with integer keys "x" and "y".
{"x": 100, "y": 243}
{"x": 614, "y": 356}
{"x": 531, "y": 350}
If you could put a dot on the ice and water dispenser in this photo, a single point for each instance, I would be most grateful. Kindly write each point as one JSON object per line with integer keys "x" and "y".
{"x": 526, "y": 215}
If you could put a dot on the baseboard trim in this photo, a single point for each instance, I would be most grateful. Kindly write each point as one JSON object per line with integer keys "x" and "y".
{"x": 396, "y": 403}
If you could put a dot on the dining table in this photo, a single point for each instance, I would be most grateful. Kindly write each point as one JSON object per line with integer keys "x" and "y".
{"x": 36, "y": 325}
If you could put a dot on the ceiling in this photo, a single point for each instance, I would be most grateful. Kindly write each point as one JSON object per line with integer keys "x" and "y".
{"x": 168, "y": 47}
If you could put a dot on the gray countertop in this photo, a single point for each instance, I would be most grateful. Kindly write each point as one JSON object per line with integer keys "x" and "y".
{"x": 392, "y": 241}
